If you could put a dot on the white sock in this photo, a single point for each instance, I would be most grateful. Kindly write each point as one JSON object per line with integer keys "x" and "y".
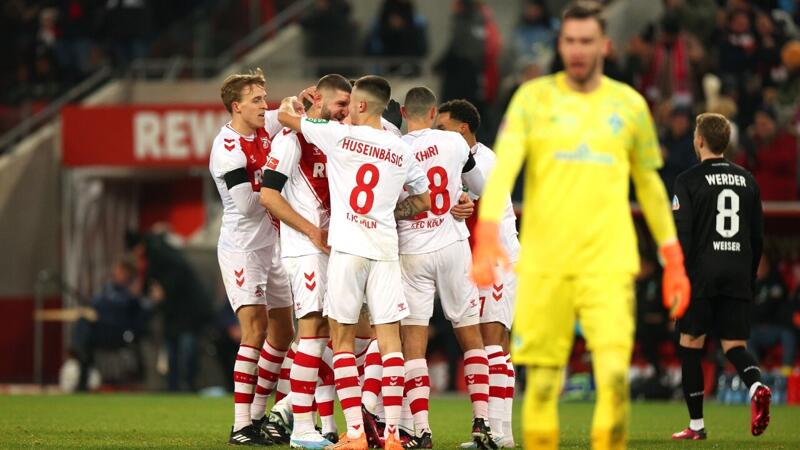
{"x": 696, "y": 424}
{"x": 753, "y": 388}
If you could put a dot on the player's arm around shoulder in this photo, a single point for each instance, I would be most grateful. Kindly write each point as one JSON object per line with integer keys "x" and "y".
{"x": 282, "y": 164}
{"x": 416, "y": 184}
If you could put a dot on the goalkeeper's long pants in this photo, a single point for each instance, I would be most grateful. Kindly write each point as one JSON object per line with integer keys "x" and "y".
{"x": 610, "y": 423}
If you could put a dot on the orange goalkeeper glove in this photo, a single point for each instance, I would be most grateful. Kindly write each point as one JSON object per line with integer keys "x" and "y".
{"x": 676, "y": 287}
{"x": 488, "y": 253}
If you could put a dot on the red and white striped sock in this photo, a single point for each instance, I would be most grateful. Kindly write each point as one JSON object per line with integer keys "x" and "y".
{"x": 245, "y": 376}
{"x": 418, "y": 390}
{"x": 269, "y": 364}
{"x": 284, "y": 385}
{"x": 392, "y": 386}
{"x": 498, "y": 377}
{"x": 476, "y": 373}
{"x": 303, "y": 379}
{"x": 373, "y": 374}
{"x": 349, "y": 391}
{"x": 360, "y": 348}
{"x": 326, "y": 393}
{"x": 509, "y": 409}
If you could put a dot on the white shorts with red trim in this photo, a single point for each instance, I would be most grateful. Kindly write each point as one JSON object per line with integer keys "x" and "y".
{"x": 353, "y": 280}
{"x": 445, "y": 271}
{"x": 308, "y": 275}
{"x": 255, "y": 278}
{"x": 497, "y": 301}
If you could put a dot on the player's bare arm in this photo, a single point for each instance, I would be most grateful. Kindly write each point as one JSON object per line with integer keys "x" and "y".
{"x": 413, "y": 205}
{"x": 273, "y": 201}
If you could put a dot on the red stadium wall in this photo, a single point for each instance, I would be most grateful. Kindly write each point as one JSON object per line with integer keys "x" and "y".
{"x": 16, "y": 336}
{"x": 179, "y": 203}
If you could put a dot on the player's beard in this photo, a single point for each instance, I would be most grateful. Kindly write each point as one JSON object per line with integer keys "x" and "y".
{"x": 325, "y": 113}
{"x": 589, "y": 73}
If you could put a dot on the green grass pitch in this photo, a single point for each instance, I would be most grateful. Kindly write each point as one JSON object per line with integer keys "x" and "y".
{"x": 169, "y": 421}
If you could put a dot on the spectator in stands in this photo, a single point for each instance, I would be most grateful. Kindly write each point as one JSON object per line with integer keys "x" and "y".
{"x": 127, "y": 28}
{"x": 399, "y": 32}
{"x": 774, "y": 162}
{"x": 770, "y": 39}
{"x": 695, "y": 16}
{"x": 676, "y": 146}
{"x": 122, "y": 315}
{"x": 77, "y": 52}
{"x": 737, "y": 53}
{"x": 469, "y": 67}
{"x": 535, "y": 34}
{"x": 185, "y": 308}
{"x": 329, "y": 32}
{"x": 771, "y": 315}
{"x": 787, "y": 96}
{"x": 669, "y": 76}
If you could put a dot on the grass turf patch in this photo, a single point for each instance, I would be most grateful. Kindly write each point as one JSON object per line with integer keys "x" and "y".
{"x": 168, "y": 421}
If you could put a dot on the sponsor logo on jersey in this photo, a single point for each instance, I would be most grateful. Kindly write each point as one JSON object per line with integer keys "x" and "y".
{"x": 272, "y": 163}
{"x": 314, "y": 120}
{"x": 583, "y": 154}
{"x": 676, "y": 204}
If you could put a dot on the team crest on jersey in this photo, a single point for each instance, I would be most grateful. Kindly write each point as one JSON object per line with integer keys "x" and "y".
{"x": 272, "y": 163}
{"x": 264, "y": 142}
{"x": 676, "y": 205}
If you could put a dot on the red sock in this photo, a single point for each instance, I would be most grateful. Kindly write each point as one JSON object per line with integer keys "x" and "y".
{"x": 269, "y": 364}
{"x": 349, "y": 391}
{"x": 392, "y": 387}
{"x": 498, "y": 377}
{"x": 245, "y": 371}
{"x": 284, "y": 385}
{"x": 373, "y": 374}
{"x": 476, "y": 373}
{"x": 303, "y": 379}
{"x": 418, "y": 390}
{"x": 326, "y": 393}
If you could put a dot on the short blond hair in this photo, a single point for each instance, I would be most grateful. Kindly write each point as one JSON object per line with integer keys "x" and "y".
{"x": 231, "y": 90}
{"x": 715, "y": 130}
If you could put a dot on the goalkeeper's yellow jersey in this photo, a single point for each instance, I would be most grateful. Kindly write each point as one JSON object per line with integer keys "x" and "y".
{"x": 580, "y": 150}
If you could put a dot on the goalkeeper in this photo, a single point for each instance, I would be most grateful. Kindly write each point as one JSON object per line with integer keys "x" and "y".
{"x": 583, "y": 137}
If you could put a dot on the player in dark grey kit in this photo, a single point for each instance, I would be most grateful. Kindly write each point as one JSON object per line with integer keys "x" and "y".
{"x": 717, "y": 209}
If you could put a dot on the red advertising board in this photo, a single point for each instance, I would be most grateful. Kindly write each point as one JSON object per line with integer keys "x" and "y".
{"x": 140, "y": 136}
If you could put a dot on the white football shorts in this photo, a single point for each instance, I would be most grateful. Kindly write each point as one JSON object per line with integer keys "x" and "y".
{"x": 445, "y": 271}
{"x": 255, "y": 278}
{"x": 308, "y": 275}
{"x": 352, "y": 280}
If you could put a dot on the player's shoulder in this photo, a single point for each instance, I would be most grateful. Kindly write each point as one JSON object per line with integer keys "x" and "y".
{"x": 285, "y": 135}
{"x": 226, "y": 141}
{"x": 624, "y": 92}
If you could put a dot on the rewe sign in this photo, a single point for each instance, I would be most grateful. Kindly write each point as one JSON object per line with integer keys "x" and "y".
{"x": 140, "y": 136}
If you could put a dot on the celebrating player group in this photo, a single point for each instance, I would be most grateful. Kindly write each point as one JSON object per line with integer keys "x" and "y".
{"x": 332, "y": 214}
{"x": 328, "y": 209}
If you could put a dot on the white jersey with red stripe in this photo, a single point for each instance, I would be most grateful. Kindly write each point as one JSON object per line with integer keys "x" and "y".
{"x": 485, "y": 160}
{"x": 367, "y": 169}
{"x": 442, "y": 155}
{"x": 231, "y": 151}
{"x": 306, "y": 188}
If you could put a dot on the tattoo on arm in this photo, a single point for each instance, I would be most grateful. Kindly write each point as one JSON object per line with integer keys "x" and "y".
{"x": 409, "y": 207}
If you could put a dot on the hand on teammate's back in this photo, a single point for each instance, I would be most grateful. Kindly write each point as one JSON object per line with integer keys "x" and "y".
{"x": 320, "y": 240}
{"x": 676, "y": 288}
{"x": 464, "y": 209}
{"x": 488, "y": 254}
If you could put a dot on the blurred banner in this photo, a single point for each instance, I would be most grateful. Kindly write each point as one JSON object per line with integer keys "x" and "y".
{"x": 140, "y": 136}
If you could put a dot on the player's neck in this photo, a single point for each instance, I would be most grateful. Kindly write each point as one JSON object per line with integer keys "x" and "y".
{"x": 472, "y": 141}
{"x": 240, "y": 126}
{"x": 373, "y": 122}
{"x": 588, "y": 86}
{"x": 416, "y": 125}
{"x": 705, "y": 155}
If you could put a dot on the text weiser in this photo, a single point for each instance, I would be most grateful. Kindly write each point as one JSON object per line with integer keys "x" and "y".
{"x": 175, "y": 135}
